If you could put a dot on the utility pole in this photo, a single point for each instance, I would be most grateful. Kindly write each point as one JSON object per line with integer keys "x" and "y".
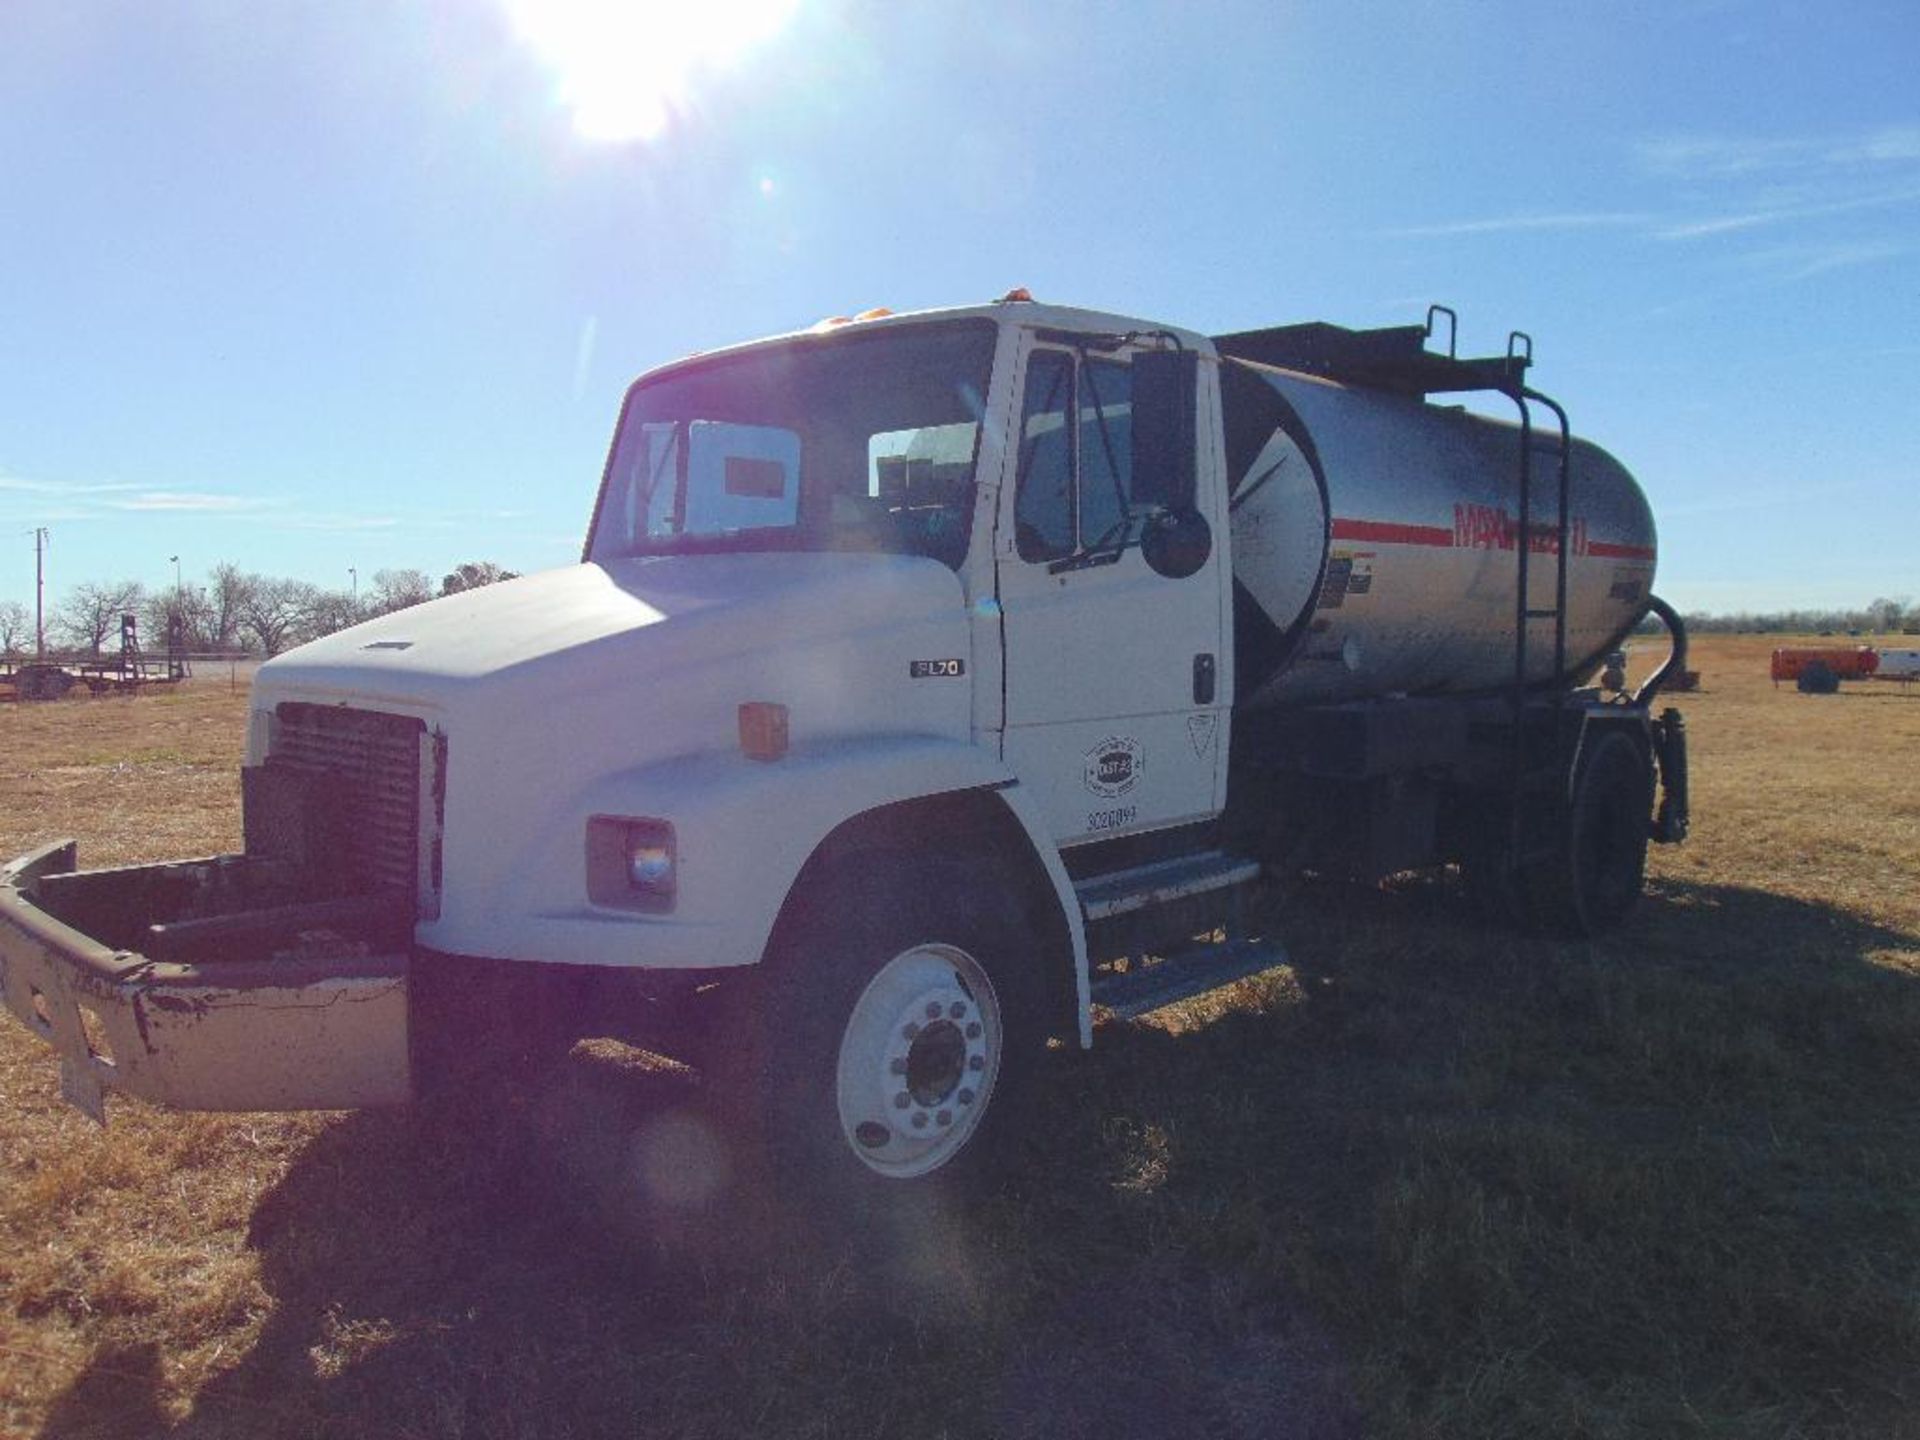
{"x": 177, "y": 625}
{"x": 354, "y": 575}
{"x": 40, "y": 542}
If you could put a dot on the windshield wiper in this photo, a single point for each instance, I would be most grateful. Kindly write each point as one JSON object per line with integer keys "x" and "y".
{"x": 1115, "y": 542}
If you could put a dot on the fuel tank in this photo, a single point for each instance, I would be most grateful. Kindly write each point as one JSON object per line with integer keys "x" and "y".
{"x": 1375, "y": 544}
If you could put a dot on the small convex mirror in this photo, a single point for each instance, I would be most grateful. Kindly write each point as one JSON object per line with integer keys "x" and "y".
{"x": 1177, "y": 543}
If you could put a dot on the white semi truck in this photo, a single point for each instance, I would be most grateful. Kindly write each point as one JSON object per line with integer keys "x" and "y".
{"x": 930, "y": 684}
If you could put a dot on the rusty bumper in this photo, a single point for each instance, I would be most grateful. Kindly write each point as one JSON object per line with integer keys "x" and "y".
{"x": 286, "y": 1031}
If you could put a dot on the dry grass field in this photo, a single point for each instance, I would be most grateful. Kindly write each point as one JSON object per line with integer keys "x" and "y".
{"x": 1430, "y": 1181}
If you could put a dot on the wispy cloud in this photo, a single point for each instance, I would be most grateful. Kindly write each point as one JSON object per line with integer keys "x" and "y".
{"x": 81, "y": 500}
{"x": 1571, "y": 220}
{"x": 434, "y": 520}
{"x": 197, "y": 502}
{"x": 1803, "y": 262}
{"x": 1835, "y": 201}
{"x": 19, "y": 484}
{"x": 1719, "y": 157}
{"x": 1783, "y": 214}
{"x": 28, "y": 501}
{"x": 342, "y": 523}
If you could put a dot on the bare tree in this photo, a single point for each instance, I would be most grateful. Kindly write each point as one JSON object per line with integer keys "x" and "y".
{"x": 226, "y": 599}
{"x": 473, "y": 574}
{"x": 189, "y": 604}
{"x": 397, "y": 589}
{"x": 272, "y": 610}
{"x": 1886, "y": 614}
{"x": 328, "y": 611}
{"x": 92, "y": 612}
{"x": 16, "y": 627}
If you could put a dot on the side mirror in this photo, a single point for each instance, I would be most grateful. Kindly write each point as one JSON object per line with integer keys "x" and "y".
{"x": 1166, "y": 387}
{"x": 1176, "y": 543}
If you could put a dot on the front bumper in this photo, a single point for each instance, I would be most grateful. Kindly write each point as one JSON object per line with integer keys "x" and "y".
{"x": 287, "y": 1019}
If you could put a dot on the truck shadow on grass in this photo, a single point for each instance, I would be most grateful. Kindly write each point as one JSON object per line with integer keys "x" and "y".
{"x": 1428, "y": 1179}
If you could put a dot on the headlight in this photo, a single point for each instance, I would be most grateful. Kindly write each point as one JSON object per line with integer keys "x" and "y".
{"x": 631, "y": 863}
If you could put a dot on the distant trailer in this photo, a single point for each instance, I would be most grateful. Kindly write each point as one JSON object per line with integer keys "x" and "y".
{"x": 48, "y": 680}
{"x": 1898, "y": 665}
{"x": 1844, "y": 662}
{"x": 130, "y": 670}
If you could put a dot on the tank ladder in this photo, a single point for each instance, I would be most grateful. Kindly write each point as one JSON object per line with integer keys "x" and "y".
{"x": 1527, "y": 534}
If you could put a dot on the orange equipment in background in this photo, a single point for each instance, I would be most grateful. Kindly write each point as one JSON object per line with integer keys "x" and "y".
{"x": 1855, "y": 663}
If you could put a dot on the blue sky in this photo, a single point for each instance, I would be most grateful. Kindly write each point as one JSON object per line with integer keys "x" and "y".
{"x": 312, "y": 287}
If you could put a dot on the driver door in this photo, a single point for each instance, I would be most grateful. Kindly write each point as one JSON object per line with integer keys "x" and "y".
{"x": 1116, "y": 691}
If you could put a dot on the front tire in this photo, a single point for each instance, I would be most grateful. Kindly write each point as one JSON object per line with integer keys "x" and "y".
{"x": 919, "y": 1060}
{"x": 896, "y": 1032}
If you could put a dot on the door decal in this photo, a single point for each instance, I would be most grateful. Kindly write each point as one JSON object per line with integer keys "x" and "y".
{"x": 1114, "y": 766}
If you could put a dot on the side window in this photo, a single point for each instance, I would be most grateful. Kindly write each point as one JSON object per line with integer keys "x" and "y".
{"x": 1076, "y": 456}
{"x": 1043, "y": 503}
{"x": 920, "y": 483}
{"x": 741, "y": 477}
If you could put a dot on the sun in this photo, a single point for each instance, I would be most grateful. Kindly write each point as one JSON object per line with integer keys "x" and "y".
{"x": 624, "y": 69}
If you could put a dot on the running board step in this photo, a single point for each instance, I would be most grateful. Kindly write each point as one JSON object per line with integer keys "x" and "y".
{"x": 1181, "y": 976}
{"x": 1119, "y": 892}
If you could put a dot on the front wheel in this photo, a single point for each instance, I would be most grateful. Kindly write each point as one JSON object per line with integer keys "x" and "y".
{"x": 919, "y": 1059}
{"x": 897, "y": 1030}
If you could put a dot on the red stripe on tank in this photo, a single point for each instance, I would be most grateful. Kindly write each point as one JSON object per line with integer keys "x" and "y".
{"x": 1388, "y": 533}
{"x": 1608, "y": 551}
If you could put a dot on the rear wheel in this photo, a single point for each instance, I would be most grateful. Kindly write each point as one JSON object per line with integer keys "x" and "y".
{"x": 1594, "y": 878}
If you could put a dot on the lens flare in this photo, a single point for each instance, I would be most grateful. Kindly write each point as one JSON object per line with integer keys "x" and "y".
{"x": 625, "y": 69}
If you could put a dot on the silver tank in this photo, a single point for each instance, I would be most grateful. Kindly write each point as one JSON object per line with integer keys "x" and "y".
{"x": 1374, "y": 544}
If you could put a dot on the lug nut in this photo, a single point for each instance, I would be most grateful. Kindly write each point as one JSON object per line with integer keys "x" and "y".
{"x": 956, "y": 1010}
{"x": 945, "y": 1117}
{"x": 919, "y": 1119}
{"x": 976, "y": 1062}
{"x": 933, "y": 1010}
{"x": 973, "y": 1031}
{"x": 966, "y": 1097}
{"x": 902, "y": 1100}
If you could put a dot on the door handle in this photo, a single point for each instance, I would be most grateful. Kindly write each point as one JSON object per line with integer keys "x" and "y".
{"x": 1203, "y": 670}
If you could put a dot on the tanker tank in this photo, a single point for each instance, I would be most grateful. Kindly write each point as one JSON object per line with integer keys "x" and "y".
{"x": 1374, "y": 544}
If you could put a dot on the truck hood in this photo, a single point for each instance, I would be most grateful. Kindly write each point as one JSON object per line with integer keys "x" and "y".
{"x": 584, "y": 691}
{"x": 563, "y": 629}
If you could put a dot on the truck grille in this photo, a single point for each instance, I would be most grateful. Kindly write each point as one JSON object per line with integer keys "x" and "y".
{"x": 370, "y": 763}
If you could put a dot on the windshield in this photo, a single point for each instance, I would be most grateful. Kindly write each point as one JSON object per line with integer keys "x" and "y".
{"x": 848, "y": 442}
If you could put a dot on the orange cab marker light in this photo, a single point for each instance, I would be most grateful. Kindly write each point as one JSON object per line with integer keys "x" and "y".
{"x": 1017, "y": 295}
{"x": 878, "y": 312}
{"x": 763, "y": 730}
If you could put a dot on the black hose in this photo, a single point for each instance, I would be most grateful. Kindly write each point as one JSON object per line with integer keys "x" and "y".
{"x": 1676, "y": 657}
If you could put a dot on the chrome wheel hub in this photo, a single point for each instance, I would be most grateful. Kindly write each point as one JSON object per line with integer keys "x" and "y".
{"x": 918, "y": 1060}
